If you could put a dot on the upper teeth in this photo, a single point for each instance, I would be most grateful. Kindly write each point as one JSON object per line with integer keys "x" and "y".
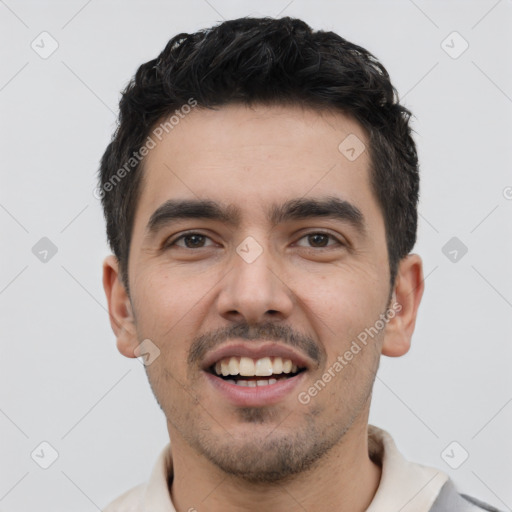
{"x": 248, "y": 367}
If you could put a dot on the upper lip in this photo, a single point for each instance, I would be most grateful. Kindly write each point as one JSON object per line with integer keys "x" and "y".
{"x": 255, "y": 350}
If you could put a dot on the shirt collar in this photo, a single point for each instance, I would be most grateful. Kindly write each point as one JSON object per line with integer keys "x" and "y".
{"x": 404, "y": 485}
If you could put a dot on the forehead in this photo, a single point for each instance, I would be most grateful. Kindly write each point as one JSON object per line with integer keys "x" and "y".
{"x": 255, "y": 158}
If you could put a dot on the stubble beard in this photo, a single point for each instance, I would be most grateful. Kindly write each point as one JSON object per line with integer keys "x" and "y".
{"x": 273, "y": 455}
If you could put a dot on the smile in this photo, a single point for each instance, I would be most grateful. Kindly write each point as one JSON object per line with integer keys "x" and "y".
{"x": 255, "y": 374}
{"x": 248, "y": 372}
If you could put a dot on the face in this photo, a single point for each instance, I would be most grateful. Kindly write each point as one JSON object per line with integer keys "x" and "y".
{"x": 258, "y": 253}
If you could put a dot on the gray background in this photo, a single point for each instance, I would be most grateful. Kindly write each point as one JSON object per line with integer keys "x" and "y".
{"x": 61, "y": 378}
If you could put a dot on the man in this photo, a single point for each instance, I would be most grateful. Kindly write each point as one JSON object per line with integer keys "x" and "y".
{"x": 260, "y": 195}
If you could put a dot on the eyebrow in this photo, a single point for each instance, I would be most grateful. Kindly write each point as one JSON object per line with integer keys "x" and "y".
{"x": 329, "y": 207}
{"x": 173, "y": 210}
{"x": 294, "y": 209}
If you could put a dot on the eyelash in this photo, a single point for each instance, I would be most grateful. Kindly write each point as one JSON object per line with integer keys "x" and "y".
{"x": 172, "y": 242}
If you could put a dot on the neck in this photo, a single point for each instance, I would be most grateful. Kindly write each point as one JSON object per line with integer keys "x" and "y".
{"x": 345, "y": 479}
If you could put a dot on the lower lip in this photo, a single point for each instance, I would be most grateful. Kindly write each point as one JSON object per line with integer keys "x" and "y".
{"x": 258, "y": 396}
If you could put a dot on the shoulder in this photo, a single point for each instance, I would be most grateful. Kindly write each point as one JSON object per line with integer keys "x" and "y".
{"x": 130, "y": 501}
{"x": 449, "y": 500}
{"x": 152, "y": 494}
{"x": 479, "y": 505}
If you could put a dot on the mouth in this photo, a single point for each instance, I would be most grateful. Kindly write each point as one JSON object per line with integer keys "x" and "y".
{"x": 256, "y": 374}
{"x": 248, "y": 372}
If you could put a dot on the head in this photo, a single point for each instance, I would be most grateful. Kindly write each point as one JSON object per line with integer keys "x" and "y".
{"x": 260, "y": 195}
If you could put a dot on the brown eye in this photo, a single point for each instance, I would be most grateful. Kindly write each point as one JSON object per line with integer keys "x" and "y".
{"x": 319, "y": 240}
{"x": 191, "y": 241}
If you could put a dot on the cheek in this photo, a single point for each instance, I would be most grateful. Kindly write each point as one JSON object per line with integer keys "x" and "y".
{"x": 168, "y": 301}
{"x": 342, "y": 307}
{"x": 342, "y": 297}
{"x": 166, "y": 312}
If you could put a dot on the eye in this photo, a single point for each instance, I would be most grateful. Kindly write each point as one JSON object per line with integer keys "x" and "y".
{"x": 191, "y": 241}
{"x": 319, "y": 240}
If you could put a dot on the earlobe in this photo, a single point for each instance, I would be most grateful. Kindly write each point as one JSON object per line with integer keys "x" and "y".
{"x": 119, "y": 307}
{"x": 404, "y": 306}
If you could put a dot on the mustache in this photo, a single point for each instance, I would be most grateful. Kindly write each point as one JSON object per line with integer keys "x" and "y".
{"x": 267, "y": 331}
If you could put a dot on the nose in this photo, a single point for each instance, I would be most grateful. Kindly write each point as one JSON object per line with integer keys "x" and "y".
{"x": 255, "y": 291}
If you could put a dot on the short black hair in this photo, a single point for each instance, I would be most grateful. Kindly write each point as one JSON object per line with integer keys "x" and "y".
{"x": 270, "y": 62}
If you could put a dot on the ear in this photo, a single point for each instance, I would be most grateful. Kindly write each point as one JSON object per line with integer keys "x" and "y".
{"x": 407, "y": 293}
{"x": 119, "y": 307}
